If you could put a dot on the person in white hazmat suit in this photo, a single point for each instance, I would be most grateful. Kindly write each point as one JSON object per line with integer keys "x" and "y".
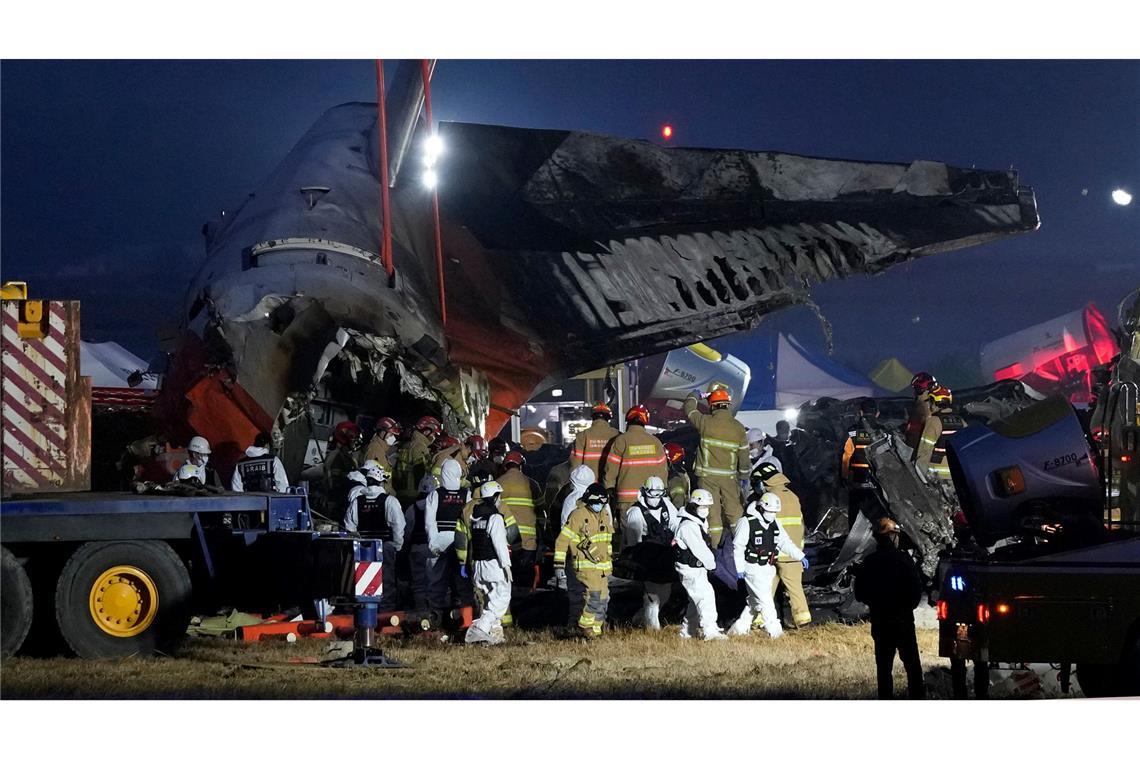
{"x": 373, "y": 513}
{"x": 416, "y": 541}
{"x": 442, "y": 512}
{"x": 652, "y": 521}
{"x": 580, "y": 479}
{"x": 760, "y": 451}
{"x": 693, "y": 560}
{"x": 757, "y": 543}
{"x": 491, "y": 561}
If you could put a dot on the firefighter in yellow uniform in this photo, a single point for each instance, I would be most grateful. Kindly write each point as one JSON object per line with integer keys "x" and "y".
{"x": 479, "y": 478}
{"x": 722, "y": 460}
{"x": 678, "y": 484}
{"x": 453, "y": 450}
{"x": 590, "y": 445}
{"x": 930, "y": 456}
{"x": 789, "y": 571}
{"x": 635, "y": 456}
{"x": 413, "y": 461}
{"x": 587, "y": 539}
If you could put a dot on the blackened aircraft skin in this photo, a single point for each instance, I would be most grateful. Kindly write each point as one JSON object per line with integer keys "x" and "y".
{"x": 563, "y": 252}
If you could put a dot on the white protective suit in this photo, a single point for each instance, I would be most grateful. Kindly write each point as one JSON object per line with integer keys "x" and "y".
{"x": 580, "y": 479}
{"x": 701, "y": 612}
{"x": 656, "y": 595}
{"x": 390, "y": 596}
{"x": 759, "y": 455}
{"x": 280, "y": 479}
{"x": 493, "y": 580}
{"x": 442, "y": 564}
{"x": 759, "y": 578}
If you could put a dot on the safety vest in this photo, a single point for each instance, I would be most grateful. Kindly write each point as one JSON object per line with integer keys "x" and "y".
{"x": 951, "y": 424}
{"x": 372, "y": 516}
{"x": 761, "y": 547}
{"x": 656, "y": 530}
{"x": 449, "y": 508}
{"x": 482, "y": 548}
{"x": 685, "y": 556}
{"x": 257, "y": 473}
{"x": 418, "y": 534}
{"x": 860, "y": 464}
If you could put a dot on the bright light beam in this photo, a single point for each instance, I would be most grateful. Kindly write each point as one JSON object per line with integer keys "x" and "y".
{"x": 430, "y": 179}
{"x": 1121, "y": 197}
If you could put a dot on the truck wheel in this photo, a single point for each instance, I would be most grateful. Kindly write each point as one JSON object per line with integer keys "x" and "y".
{"x": 122, "y": 598}
{"x": 15, "y": 604}
{"x": 958, "y": 678}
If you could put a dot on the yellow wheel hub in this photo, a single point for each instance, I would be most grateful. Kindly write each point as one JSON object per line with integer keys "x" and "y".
{"x": 123, "y": 601}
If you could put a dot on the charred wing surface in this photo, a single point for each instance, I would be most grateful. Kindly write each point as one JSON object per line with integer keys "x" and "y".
{"x": 622, "y": 248}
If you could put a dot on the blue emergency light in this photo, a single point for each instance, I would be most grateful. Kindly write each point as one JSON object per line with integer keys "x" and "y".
{"x": 957, "y": 583}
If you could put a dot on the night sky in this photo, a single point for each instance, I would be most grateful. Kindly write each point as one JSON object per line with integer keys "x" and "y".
{"x": 109, "y": 169}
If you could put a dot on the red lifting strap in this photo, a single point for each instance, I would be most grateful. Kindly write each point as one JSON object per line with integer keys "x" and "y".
{"x": 426, "y": 70}
{"x": 385, "y": 209}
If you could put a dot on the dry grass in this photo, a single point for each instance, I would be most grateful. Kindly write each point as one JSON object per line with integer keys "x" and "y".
{"x": 819, "y": 662}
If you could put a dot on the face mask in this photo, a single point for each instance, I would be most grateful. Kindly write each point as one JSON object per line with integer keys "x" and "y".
{"x": 471, "y": 459}
{"x": 702, "y": 512}
{"x": 498, "y": 459}
{"x": 595, "y": 506}
{"x": 390, "y": 440}
{"x": 653, "y": 501}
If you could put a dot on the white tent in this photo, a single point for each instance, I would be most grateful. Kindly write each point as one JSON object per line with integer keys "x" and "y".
{"x": 109, "y": 365}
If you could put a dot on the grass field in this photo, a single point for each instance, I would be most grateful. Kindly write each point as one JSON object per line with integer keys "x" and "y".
{"x": 829, "y": 661}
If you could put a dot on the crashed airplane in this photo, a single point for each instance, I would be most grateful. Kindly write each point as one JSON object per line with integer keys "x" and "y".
{"x": 562, "y": 252}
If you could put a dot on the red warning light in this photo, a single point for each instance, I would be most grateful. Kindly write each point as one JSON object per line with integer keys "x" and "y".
{"x": 667, "y": 131}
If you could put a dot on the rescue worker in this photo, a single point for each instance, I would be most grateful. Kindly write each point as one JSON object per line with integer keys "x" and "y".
{"x": 198, "y": 454}
{"x": 921, "y": 384}
{"x": 587, "y": 538}
{"x": 581, "y": 477}
{"x": 416, "y": 542}
{"x": 759, "y": 450}
{"x": 930, "y": 456}
{"x": 855, "y": 466}
{"x": 373, "y": 513}
{"x": 518, "y": 500}
{"x": 190, "y": 475}
{"x": 722, "y": 459}
{"x": 340, "y": 460}
{"x": 693, "y": 560}
{"x": 757, "y": 541}
{"x": 634, "y": 456}
{"x": 382, "y": 446}
{"x": 789, "y": 569}
{"x": 443, "y": 511}
{"x": 260, "y": 469}
{"x": 479, "y": 478}
{"x": 476, "y": 446}
{"x": 888, "y": 582}
{"x": 554, "y": 493}
{"x": 678, "y": 483}
{"x": 652, "y": 522}
{"x": 590, "y": 445}
{"x": 497, "y": 448}
{"x": 491, "y": 566}
{"x": 450, "y": 448}
{"x": 413, "y": 460}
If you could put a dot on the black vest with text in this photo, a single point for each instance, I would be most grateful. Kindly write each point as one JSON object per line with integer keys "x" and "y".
{"x": 256, "y": 473}
{"x": 449, "y": 508}
{"x": 656, "y": 531}
{"x": 372, "y": 516}
{"x": 685, "y": 556}
{"x": 481, "y": 546}
{"x": 761, "y": 547}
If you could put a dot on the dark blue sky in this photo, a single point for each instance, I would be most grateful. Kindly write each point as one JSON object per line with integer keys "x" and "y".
{"x": 109, "y": 169}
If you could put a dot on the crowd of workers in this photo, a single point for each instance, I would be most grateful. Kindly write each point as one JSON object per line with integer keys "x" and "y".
{"x": 468, "y": 521}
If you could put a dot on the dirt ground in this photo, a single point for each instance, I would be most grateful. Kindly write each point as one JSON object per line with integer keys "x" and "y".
{"x": 829, "y": 661}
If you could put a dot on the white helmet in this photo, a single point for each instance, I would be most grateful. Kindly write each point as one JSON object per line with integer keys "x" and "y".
{"x": 490, "y": 489}
{"x": 373, "y": 470}
{"x": 701, "y": 498}
{"x": 653, "y": 490}
{"x": 582, "y": 476}
{"x": 356, "y": 476}
{"x": 755, "y": 435}
{"x": 188, "y": 472}
{"x": 199, "y": 445}
{"x": 428, "y": 483}
{"x": 770, "y": 503}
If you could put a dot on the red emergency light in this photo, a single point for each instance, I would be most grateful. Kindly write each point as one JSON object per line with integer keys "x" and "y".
{"x": 667, "y": 131}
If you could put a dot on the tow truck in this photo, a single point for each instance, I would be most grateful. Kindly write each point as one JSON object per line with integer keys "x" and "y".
{"x": 1048, "y": 566}
{"x": 120, "y": 574}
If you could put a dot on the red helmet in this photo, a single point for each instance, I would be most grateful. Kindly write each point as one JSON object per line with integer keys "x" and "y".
{"x": 389, "y": 425}
{"x": 346, "y": 433}
{"x": 477, "y": 445}
{"x": 602, "y": 410}
{"x": 429, "y": 424}
{"x": 514, "y": 458}
{"x": 638, "y": 414}
{"x": 719, "y": 396}
{"x": 446, "y": 442}
{"x": 674, "y": 452}
{"x": 922, "y": 382}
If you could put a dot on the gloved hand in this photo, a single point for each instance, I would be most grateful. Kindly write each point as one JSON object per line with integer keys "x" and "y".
{"x": 740, "y": 576}
{"x": 560, "y": 578}
{"x": 745, "y": 485}
{"x": 804, "y": 562}
{"x": 510, "y": 577}
{"x": 463, "y": 571}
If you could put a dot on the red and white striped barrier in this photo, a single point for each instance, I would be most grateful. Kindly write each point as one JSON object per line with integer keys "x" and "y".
{"x": 369, "y": 579}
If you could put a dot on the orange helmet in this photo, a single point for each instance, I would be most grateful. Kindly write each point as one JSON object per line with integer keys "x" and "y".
{"x": 674, "y": 452}
{"x": 602, "y": 410}
{"x": 719, "y": 396}
{"x": 638, "y": 414}
{"x": 886, "y": 526}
